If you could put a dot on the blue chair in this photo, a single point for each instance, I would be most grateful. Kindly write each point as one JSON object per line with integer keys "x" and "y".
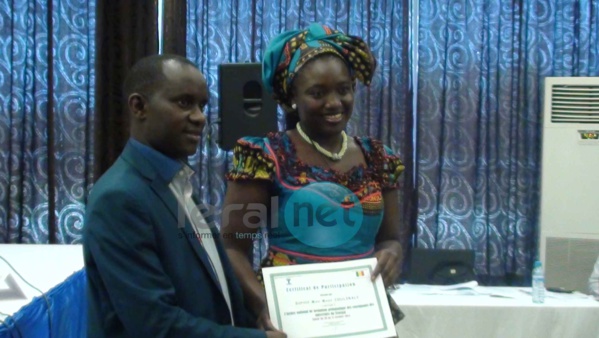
{"x": 62, "y": 312}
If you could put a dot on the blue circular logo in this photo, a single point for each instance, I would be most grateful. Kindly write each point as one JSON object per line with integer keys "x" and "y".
{"x": 323, "y": 214}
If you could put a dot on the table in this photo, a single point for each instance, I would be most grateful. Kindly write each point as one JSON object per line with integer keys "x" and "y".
{"x": 43, "y": 266}
{"x": 476, "y": 311}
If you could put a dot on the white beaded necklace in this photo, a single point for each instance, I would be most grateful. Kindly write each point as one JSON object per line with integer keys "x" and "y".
{"x": 332, "y": 156}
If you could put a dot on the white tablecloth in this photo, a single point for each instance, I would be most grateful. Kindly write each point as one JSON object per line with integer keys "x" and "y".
{"x": 485, "y": 312}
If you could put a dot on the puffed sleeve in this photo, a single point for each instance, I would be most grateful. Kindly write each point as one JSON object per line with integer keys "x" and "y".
{"x": 392, "y": 169}
{"x": 252, "y": 160}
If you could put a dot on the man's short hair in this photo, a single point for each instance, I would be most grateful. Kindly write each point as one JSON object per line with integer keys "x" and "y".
{"x": 146, "y": 73}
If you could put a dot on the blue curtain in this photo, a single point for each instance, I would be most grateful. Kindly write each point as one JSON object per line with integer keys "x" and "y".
{"x": 481, "y": 66}
{"x": 239, "y": 31}
{"x": 477, "y": 70}
{"x": 46, "y": 127}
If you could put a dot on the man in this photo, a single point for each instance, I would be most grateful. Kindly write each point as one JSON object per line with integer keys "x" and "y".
{"x": 155, "y": 267}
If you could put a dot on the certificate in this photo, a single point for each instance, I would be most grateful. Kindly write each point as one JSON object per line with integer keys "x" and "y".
{"x": 328, "y": 300}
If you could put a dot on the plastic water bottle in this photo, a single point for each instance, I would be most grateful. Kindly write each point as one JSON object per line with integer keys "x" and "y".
{"x": 538, "y": 283}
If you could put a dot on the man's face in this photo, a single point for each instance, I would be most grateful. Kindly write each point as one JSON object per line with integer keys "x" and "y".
{"x": 174, "y": 116}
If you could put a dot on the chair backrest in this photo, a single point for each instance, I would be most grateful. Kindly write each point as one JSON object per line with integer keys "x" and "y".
{"x": 441, "y": 266}
{"x": 60, "y": 312}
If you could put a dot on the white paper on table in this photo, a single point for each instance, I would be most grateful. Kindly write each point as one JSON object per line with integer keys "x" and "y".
{"x": 467, "y": 288}
{"x": 335, "y": 299}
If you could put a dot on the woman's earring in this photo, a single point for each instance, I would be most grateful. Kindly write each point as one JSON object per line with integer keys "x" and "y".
{"x": 293, "y": 106}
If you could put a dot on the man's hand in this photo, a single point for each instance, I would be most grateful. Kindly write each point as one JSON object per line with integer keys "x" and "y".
{"x": 387, "y": 266}
{"x": 263, "y": 322}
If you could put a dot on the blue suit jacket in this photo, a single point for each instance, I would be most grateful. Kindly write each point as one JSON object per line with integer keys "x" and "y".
{"x": 147, "y": 277}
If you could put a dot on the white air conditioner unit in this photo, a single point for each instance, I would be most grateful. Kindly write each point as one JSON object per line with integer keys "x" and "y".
{"x": 569, "y": 211}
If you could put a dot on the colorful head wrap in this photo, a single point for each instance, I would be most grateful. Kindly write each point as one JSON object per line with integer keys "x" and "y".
{"x": 289, "y": 51}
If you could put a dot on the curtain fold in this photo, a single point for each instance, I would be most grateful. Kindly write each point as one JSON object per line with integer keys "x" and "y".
{"x": 480, "y": 81}
{"x": 175, "y": 27}
{"x": 46, "y": 86}
{"x": 126, "y": 32}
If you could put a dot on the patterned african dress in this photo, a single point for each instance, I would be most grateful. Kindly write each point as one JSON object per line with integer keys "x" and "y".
{"x": 322, "y": 215}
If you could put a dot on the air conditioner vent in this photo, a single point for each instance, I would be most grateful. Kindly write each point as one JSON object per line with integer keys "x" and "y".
{"x": 568, "y": 210}
{"x": 569, "y": 262}
{"x": 575, "y": 103}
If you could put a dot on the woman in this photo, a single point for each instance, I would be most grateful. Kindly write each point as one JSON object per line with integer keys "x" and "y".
{"x": 332, "y": 197}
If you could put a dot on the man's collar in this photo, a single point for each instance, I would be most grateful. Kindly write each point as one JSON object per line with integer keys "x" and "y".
{"x": 165, "y": 166}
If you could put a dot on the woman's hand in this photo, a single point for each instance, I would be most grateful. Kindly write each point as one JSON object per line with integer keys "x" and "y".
{"x": 388, "y": 266}
{"x": 388, "y": 249}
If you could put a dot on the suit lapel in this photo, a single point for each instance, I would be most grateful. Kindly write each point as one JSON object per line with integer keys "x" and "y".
{"x": 234, "y": 288}
{"x": 182, "y": 223}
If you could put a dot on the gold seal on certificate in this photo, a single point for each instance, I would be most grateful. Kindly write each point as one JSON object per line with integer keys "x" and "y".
{"x": 328, "y": 300}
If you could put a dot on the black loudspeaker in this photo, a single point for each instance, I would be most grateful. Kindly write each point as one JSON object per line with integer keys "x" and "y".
{"x": 441, "y": 267}
{"x": 246, "y": 108}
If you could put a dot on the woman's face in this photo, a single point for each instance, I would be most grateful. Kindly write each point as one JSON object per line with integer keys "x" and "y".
{"x": 323, "y": 92}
